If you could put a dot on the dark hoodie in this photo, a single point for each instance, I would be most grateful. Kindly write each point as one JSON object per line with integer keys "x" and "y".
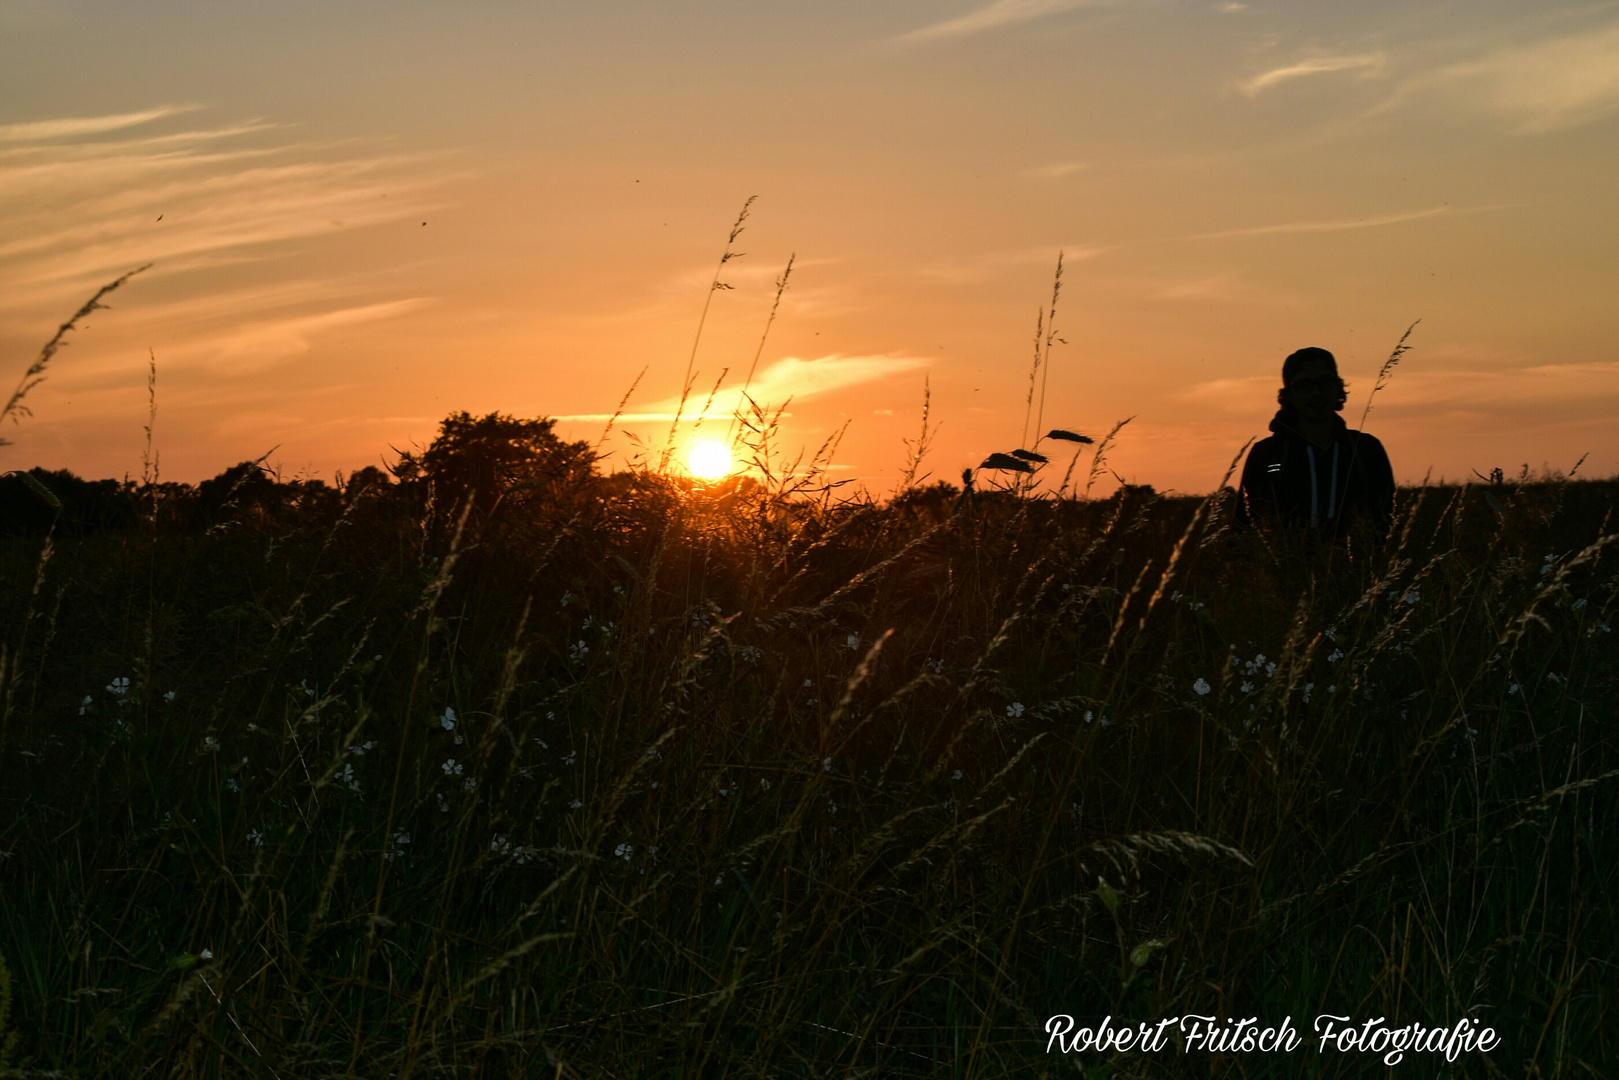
{"x": 1289, "y": 479}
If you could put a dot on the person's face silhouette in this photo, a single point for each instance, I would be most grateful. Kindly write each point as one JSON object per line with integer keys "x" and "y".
{"x": 1313, "y": 390}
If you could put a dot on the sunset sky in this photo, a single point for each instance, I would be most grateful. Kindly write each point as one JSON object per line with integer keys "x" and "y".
{"x": 364, "y": 216}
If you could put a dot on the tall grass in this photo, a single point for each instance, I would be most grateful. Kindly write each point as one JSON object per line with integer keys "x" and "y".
{"x": 644, "y": 778}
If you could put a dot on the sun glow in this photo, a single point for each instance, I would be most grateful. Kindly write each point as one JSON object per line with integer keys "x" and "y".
{"x": 709, "y": 459}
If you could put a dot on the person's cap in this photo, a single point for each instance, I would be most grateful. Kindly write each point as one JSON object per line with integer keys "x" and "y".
{"x": 1291, "y": 365}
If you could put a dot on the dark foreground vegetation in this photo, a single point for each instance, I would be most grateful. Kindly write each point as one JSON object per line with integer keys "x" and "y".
{"x": 501, "y": 767}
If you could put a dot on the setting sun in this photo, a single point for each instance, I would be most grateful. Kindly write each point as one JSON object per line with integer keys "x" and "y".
{"x": 709, "y": 459}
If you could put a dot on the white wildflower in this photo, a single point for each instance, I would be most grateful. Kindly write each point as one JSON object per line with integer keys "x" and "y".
{"x": 578, "y": 651}
{"x": 85, "y": 704}
{"x": 624, "y": 851}
{"x": 1202, "y": 687}
{"x": 447, "y": 721}
{"x": 256, "y": 837}
{"x": 119, "y": 686}
{"x": 1014, "y": 710}
{"x": 206, "y": 954}
{"x": 956, "y": 775}
{"x": 853, "y": 641}
{"x": 451, "y": 767}
{"x": 169, "y": 696}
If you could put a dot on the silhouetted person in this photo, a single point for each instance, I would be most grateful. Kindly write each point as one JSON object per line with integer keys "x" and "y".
{"x": 1315, "y": 472}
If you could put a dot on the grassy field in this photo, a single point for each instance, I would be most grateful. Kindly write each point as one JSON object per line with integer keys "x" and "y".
{"x": 544, "y": 773}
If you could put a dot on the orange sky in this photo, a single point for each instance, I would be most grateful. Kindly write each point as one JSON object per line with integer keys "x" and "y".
{"x": 364, "y": 216}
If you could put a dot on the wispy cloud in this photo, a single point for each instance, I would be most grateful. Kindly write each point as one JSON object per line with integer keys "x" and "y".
{"x": 1325, "y": 226}
{"x": 1319, "y": 65}
{"x": 1060, "y": 169}
{"x": 79, "y": 127}
{"x": 997, "y": 14}
{"x": 789, "y": 377}
{"x": 75, "y": 206}
{"x": 1546, "y": 85}
{"x": 258, "y": 343}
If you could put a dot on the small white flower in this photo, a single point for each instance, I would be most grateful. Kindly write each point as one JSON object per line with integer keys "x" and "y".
{"x": 447, "y": 721}
{"x": 85, "y": 704}
{"x": 826, "y": 764}
{"x": 569, "y": 757}
{"x": 256, "y": 837}
{"x": 624, "y": 851}
{"x": 937, "y": 666}
{"x": 1202, "y": 688}
{"x": 206, "y": 954}
{"x": 1332, "y": 688}
{"x": 809, "y": 683}
{"x": 443, "y": 804}
{"x": 1089, "y": 716}
{"x": 1513, "y": 689}
{"x": 956, "y": 775}
{"x": 764, "y": 784}
{"x": 1307, "y": 688}
{"x": 1270, "y": 669}
{"x": 169, "y": 696}
{"x": 566, "y": 597}
{"x": 853, "y": 641}
{"x": 578, "y": 651}
{"x": 1578, "y": 605}
{"x": 119, "y": 686}
{"x": 232, "y": 784}
{"x": 470, "y": 783}
{"x": 1014, "y": 710}
{"x": 1334, "y": 656}
{"x": 210, "y": 744}
{"x": 1246, "y": 687}
{"x": 719, "y": 879}
{"x": 1412, "y": 596}
{"x": 576, "y": 804}
{"x": 451, "y": 767}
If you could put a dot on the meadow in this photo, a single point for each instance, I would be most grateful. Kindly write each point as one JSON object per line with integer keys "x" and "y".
{"x": 504, "y": 766}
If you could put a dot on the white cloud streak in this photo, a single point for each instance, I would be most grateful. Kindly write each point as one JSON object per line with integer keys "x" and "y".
{"x": 79, "y": 127}
{"x": 991, "y": 16}
{"x": 1324, "y": 226}
{"x": 790, "y": 377}
{"x": 1320, "y": 65}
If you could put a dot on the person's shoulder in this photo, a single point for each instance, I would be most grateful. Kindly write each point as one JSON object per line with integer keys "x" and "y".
{"x": 1365, "y": 440}
{"x": 1268, "y": 448}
